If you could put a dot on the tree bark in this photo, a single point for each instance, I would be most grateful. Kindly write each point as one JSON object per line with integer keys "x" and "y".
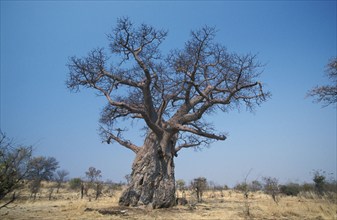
{"x": 152, "y": 178}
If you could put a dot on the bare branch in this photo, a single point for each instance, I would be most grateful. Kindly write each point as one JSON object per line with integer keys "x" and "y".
{"x": 327, "y": 94}
{"x": 200, "y": 132}
{"x": 126, "y": 143}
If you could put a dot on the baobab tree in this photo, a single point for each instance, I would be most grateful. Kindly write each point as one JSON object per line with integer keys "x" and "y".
{"x": 171, "y": 94}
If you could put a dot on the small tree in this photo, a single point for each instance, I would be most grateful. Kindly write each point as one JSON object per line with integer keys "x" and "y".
{"x": 13, "y": 167}
{"x": 319, "y": 179}
{"x": 199, "y": 185}
{"x": 41, "y": 169}
{"x": 77, "y": 184}
{"x": 181, "y": 187}
{"x": 271, "y": 187}
{"x": 255, "y": 185}
{"x": 60, "y": 178}
{"x": 94, "y": 176}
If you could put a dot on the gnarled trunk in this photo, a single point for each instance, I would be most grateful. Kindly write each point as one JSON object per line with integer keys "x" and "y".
{"x": 152, "y": 178}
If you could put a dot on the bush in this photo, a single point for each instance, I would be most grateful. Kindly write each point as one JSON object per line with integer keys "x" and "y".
{"x": 291, "y": 189}
{"x": 255, "y": 186}
{"x": 241, "y": 187}
{"x": 307, "y": 187}
{"x": 331, "y": 186}
{"x": 75, "y": 183}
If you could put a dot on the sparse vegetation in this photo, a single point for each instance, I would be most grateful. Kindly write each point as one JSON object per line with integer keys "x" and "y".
{"x": 68, "y": 203}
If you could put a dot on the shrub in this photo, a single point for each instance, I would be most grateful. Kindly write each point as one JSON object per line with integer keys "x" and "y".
{"x": 241, "y": 187}
{"x": 255, "y": 186}
{"x": 307, "y": 187}
{"x": 75, "y": 183}
{"x": 290, "y": 189}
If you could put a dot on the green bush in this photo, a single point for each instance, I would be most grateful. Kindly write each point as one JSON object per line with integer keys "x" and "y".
{"x": 291, "y": 189}
{"x": 75, "y": 183}
{"x": 241, "y": 187}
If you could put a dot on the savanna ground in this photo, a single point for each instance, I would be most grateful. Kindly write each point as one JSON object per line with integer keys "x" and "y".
{"x": 228, "y": 204}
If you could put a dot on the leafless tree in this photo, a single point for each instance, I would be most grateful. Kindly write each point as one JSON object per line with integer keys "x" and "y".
{"x": 93, "y": 174}
{"x": 94, "y": 180}
{"x": 13, "y": 167}
{"x": 170, "y": 94}
{"x": 327, "y": 94}
{"x": 60, "y": 178}
{"x": 271, "y": 187}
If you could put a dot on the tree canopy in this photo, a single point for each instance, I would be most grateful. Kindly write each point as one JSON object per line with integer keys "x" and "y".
{"x": 170, "y": 93}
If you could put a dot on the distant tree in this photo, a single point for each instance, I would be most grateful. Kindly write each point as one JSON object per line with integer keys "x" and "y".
{"x": 327, "y": 94}
{"x": 13, "y": 167}
{"x": 243, "y": 187}
{"x": 271, "y": 187}
{"x": 41, "y": 169}
{"x": 199, "y": 185}
{"x": 319, "y": 179}
{"x": 181, "y": 187}
{"x": 171, "y": 94}
{"x": 255, "y": 185}
{"x": 94, "y": 175}
{"x": 60, "y": 177}
{"x": 75, "y": 183}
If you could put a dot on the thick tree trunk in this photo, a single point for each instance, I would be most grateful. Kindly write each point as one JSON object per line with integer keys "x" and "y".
{"x": 152, "y": 178}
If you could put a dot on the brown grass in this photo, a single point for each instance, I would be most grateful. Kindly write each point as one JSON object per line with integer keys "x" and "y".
{"x": 232, "y": 205}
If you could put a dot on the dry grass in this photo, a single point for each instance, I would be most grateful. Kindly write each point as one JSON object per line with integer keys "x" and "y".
{"x": 232, "y": 205}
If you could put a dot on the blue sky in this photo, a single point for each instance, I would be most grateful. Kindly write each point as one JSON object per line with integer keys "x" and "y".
{"x": 287, "y": 137}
